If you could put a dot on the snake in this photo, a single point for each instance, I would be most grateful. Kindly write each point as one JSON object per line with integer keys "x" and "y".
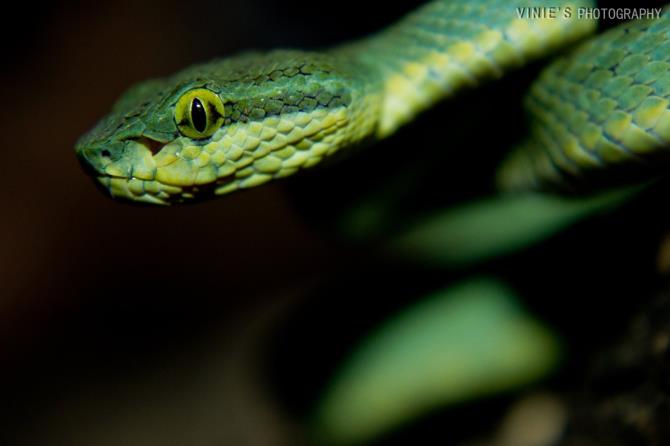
{"x": 598, "y": 113}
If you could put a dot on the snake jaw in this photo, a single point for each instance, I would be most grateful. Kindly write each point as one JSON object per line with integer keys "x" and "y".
{"x": 127, "y": 169}
{"x": 133, "y": 190}
{"x": 145, "y": 170}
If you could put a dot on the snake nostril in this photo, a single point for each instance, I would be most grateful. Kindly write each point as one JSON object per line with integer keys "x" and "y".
{"x": 105, "y": 154}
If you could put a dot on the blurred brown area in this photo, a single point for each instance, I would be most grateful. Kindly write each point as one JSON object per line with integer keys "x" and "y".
{"x": 625, "y": 399}
{"x": 110, "y": 312}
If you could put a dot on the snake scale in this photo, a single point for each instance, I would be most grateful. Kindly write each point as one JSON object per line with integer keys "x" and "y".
{"x": 599, "y": 113}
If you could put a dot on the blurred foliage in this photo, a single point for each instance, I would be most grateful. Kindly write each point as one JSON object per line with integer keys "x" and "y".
{"x": 479, "y": 230}
{"x": 469, "y": 340}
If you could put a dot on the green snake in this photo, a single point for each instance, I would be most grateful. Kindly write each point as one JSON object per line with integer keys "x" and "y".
{"x": 599, "y": 112}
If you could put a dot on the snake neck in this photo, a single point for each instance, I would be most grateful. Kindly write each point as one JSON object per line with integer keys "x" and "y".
{"x": 447, "y": 45}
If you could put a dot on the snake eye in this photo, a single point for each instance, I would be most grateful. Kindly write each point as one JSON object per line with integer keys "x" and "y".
{"x": 199, "y": 113}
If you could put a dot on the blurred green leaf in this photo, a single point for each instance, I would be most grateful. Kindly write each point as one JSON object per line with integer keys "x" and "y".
{"x": 469, "y": 340}
{"x": 494, "y": 226}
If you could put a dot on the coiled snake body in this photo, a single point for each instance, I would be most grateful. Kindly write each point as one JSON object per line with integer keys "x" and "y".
{"x": 240, "y": 122}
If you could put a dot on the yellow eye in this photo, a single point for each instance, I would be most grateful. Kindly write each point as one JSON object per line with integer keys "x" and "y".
{"x": 199, "y": 113}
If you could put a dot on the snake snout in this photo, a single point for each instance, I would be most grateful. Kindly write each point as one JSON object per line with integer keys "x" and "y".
{"x": 87, "y": 162}
{"x": 93, "y": 160}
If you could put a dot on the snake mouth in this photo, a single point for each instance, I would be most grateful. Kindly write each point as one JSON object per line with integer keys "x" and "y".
{"x": 142, "y": 181}
{"x": 135, "y": 180}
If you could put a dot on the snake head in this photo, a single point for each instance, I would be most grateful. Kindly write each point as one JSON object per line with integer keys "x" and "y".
{"x": 223, "y": 126}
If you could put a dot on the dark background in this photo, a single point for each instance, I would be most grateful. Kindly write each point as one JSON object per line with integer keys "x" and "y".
{"x": 130, "y": 325}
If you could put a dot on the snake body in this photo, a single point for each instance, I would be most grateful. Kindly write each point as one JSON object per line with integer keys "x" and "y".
{"x": 599, "y": 115}
{"x": 240, "y": 122}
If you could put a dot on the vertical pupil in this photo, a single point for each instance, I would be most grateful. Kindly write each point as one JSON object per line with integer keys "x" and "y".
{"x": 198, "y": 115}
